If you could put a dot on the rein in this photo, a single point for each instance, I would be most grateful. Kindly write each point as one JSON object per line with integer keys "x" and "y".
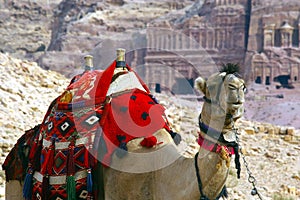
{"x": 202, "y": 197}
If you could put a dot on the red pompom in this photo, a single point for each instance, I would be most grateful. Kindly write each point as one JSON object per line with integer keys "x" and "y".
{"x": 149, "y": 141}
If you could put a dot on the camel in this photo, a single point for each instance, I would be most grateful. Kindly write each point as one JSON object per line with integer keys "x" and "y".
{"x": 224, "y": 94}
{"x": 161, "y": 171}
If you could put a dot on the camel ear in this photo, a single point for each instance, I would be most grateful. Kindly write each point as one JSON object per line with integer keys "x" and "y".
{"x": 200, "y": 85}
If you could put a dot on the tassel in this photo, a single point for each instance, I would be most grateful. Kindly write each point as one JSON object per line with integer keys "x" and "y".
{"x": 45, "y": 187}
{"x": 71, "y": 184}
{"x": 50, "y": 161}
{"x": 71, "y": 163}
{"x": 122, "y": 150}
{"x": 89, "y": 181}
{"x": 27, "y": 188}
{"x": 92, "y": 160}
{"x": 149, "y": 141}
{"x": 176, "y": 137}
{"x": 86, "y": 158}
{"x": 71, "y": 188}
{"x": 35, "y": 153}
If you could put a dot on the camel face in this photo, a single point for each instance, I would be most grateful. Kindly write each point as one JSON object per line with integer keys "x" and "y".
{"x": 225, "y": 90}
{"x": 234, "y": 95}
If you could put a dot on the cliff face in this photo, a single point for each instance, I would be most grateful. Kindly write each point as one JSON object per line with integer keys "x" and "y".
{"x": 58, "y": 33}
{"x": 99, "y": 28}
{"x": 24, "y": 28}
{"x": 274, "y": 43}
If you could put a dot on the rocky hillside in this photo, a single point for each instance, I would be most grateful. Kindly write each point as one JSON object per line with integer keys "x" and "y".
{"x": 25, "y": 27}
{"x": 25, "y": 93}
{"x": 56, "y": 33}
{"x": 272, "y": 151}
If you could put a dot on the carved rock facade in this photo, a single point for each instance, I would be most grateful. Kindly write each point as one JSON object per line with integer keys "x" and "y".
{"x": 261, "y": 35}
{"x": 197, "y": 44}
{"x": 274, "y": 42}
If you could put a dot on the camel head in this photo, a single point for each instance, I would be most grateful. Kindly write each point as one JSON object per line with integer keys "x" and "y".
{"x": 223, "y": 95}
{"x": 223, "y": 105}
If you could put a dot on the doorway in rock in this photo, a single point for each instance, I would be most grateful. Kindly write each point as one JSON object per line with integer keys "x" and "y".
{"x": 284, "y": 81}
{"x": 258, "y": 80}
{"x": 268, "y": 80}
{"x": 157, "y": 88}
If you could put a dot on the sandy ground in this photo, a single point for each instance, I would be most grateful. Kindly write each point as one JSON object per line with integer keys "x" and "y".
{"x": 263, "y": 105}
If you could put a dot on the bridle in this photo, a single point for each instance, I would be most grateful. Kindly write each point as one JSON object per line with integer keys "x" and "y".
{"x": 217, "y": 137}
{"x": 219, "y": 140}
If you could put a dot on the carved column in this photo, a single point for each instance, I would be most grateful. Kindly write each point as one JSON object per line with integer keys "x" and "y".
{"x": 183, "y": 41}
{"x": 192, "y": 40}
{"x": 148, "y": 39}
{"x": 171, "y": 77}
{"x": 159, "y": 43}
{"x": 154, "y": 40}
{"x": 177, "y": 41}
{"x": 203, "y": 39}
{"x": 210, "y": 39}
{"x": 221, "y": 39}
{"x": 187, "y": 40}
{"x": 168, "y": 42}
{"x": 173, "y": 40}
{"x": 269, "y": 35}
{"x": 263, "y": 78}
{"x": 229, "y": 39}
{"x": 286, "y": 35}
{"x": 199, "y": 44}
{"x": 163, "y": 41}
{"x": 216, "y": 39}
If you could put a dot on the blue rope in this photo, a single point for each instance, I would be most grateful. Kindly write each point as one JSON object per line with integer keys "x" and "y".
{"x": 27, "y": 188}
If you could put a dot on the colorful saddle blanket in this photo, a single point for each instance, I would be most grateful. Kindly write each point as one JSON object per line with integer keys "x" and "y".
{"x": 83, "y": 126}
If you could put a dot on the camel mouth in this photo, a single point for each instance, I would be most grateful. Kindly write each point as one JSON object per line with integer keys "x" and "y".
{"x": 236, "y": 105}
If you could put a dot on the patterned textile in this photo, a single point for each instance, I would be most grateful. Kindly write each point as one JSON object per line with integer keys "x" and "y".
{"x": 18, "y": 156}
{"x": 65, "y": 138}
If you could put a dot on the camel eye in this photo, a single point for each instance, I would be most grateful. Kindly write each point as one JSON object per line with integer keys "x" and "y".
{"x": 244, "y": 89}
{"x": 231, "y": 87}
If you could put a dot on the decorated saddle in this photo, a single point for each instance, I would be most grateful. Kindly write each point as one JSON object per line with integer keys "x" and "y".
{"x": 99, "y": 112}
